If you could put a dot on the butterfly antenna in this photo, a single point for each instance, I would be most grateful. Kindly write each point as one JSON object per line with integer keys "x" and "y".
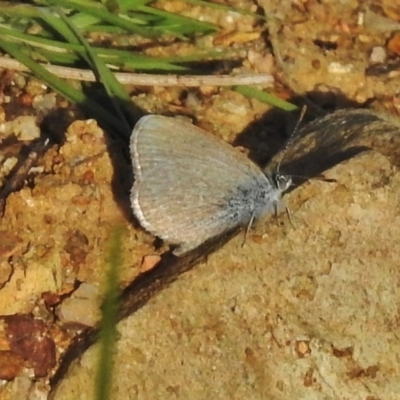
{"x": 299, "y": 121}
{"x": 291, "y": 137}
{"x": 321, "y": 178}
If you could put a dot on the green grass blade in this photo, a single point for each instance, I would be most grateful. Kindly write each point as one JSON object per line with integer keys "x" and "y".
{"x": 178, "y": 23}
{"x": 108, "y": 324}
{"x": 264, "y": 97}
{"x": 68, "y": 53}
{"x": 114, "y": 89}
{"x": 71, "y": 94}
{"x": 96, "y": 10}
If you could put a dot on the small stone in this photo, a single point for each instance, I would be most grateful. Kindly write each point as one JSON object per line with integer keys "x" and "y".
{"x": 378, "y": 55}
{"x": 394, "y": 44}
{"x": 23, "y": 127}
{"x": 149, "y": 262}
{"x": 338, "y": 68}
{"x": 82, "y": 308}
{"x": 44, "y": 102}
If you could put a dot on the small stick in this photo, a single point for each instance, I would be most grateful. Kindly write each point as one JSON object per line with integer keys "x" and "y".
{"x": 148, "y": 79}
{"x": 17, "y": 180}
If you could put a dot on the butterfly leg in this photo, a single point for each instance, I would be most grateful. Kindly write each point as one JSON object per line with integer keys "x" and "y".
{"x": 248, "y": 228}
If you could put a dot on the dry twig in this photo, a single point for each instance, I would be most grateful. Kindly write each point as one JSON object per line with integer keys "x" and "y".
{"x": 149, "y": 79}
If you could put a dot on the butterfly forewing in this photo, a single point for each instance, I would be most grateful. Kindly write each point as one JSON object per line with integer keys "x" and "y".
{"x": 183, "y": 179}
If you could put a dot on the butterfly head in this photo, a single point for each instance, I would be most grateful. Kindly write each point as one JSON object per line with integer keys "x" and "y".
{"x": 282, "y": 182}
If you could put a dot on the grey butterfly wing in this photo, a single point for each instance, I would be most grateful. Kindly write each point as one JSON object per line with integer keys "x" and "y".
{"x": 183, "y": 180}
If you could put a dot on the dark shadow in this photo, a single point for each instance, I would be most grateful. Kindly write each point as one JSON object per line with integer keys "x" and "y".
{"x": 329, "y": 140}
{"x": 29, "y": 154}
{"x": 265, "y": 137}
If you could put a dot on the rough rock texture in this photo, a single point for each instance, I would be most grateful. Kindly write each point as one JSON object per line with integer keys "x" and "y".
{"x": 304, "y": 312}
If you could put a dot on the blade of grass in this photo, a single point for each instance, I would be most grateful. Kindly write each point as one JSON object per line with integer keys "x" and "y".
{"x": 52, "y": 49}
{"x": 98, "y": 11}
{"x": 108, "y": 325}
{"x": 71, "y": 94}
{"x": 35, "y": 40}
{"x": 132, "y": 64}
{"x": 125, "y": 5}
{"x": 119, "y": 58}
{"x": 114, "y": 89}
{"x": 19, "y": 11}
{"x": 264, "y": 97}
{"x": 183, "y": 25}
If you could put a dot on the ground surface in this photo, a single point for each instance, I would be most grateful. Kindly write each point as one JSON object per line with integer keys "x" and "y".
{"x": 302, "y": 311}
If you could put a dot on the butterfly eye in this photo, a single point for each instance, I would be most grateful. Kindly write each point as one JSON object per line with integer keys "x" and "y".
{"x": 283, "y": 182}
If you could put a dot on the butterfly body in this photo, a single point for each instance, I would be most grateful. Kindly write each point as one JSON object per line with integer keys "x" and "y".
{"x": 190, "y": 186}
